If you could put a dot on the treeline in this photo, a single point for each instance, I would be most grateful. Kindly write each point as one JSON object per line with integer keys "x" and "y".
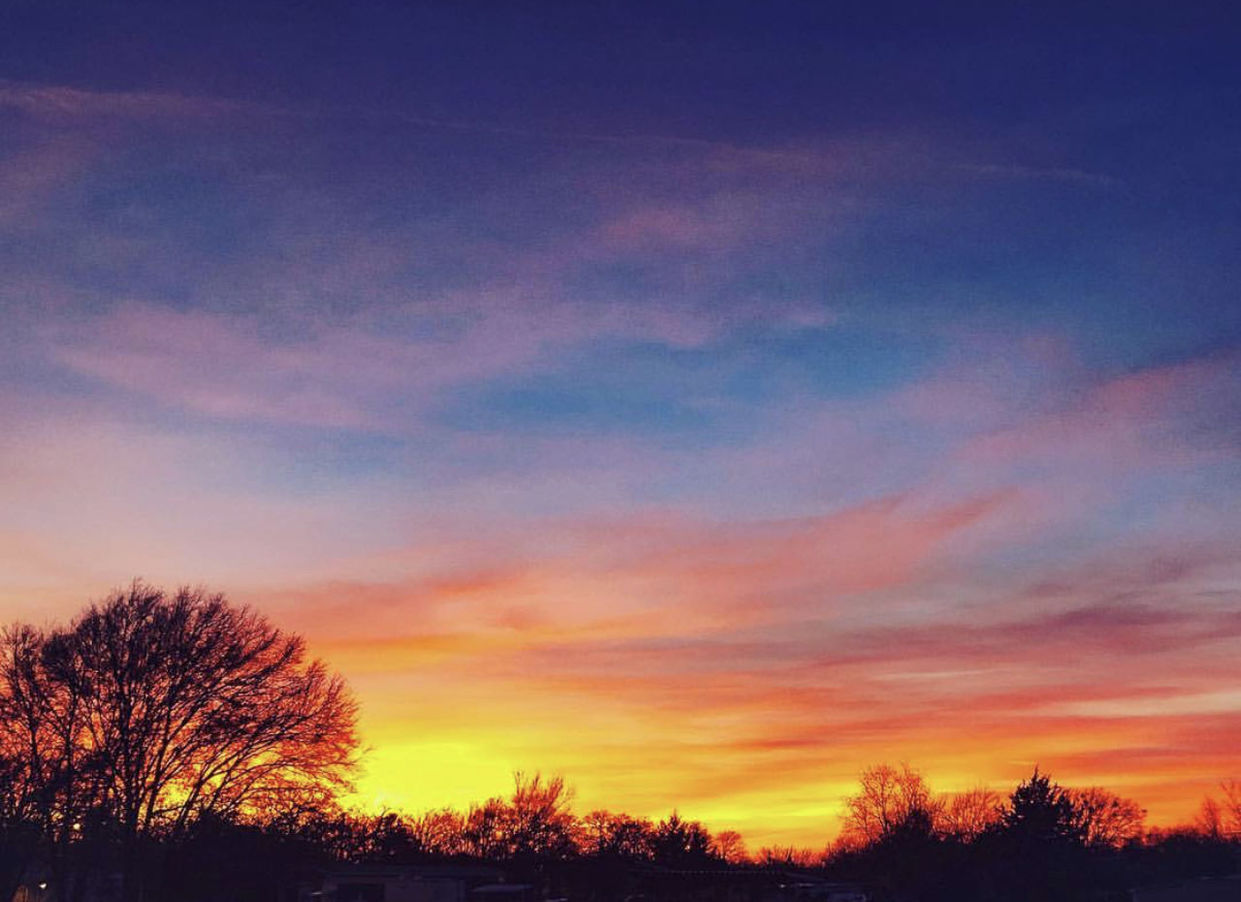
{"x": 179, "y": 747}
{"x": 1041, "y": 842}
{"x": 902, "y": 843}
{"x": 900, "y": 840}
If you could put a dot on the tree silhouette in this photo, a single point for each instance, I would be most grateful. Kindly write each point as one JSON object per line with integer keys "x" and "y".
{"x": 151, "y": 710}
{"x": 968, "y": 815}
{"x": 1221, "y": 817}
{"x": 729, "y": 846}
{"x": 536, "y": 822}
{"x": 681, "y": 843}
{"x": 1105, "y": 819}
{"x": 441, "y": 832}
{"x": 789, "y": 857}
{"x": 1232, "y": 804}
{"x": 52, "y": 768}
{"x": 605, "y": 834}
{"x": 542, "y": 818}
{"x": 19, "y": 822}
{"x": 1209, "y": 820}
{"x": 486, "y": 830}
{"x": 888, "y": 798}
{"x": 1041, "y": 811}
{"x": 1038, "y": 850}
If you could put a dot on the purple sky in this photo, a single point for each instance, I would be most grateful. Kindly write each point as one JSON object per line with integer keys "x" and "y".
{"x": 704, "y": 407}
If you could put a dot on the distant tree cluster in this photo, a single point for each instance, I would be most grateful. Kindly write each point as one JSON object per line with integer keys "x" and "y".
{"x": 534, "y": 825}
{"x": 897, "y": 801}
{"x": 532, "y": 834}
{"x": 1043, "y": 841}
{"x": 901, "y": 840}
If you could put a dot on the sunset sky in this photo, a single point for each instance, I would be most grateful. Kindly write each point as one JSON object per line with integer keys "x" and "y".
{"x": 701, "y": 401}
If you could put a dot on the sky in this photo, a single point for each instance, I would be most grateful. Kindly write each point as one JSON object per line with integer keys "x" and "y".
{"x": 700, "y": 402}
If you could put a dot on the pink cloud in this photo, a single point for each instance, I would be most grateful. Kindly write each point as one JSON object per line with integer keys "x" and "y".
{"x": 716, "y": 224}
{"x": 1151, "y": 416}
{"x": 728, "y": 644}
{"x": 620, "y": 575}
{"x": 91, "y": 502}
{"x": 347, "y": 375}
{"x": 340, "y": 377}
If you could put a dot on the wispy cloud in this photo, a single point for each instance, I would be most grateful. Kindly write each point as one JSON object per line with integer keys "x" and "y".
{"x": 683, "y": 466}
{"x": 1054, "y": 174}
{"x": 62, "y": 101}
{"x": 794, "y": 705}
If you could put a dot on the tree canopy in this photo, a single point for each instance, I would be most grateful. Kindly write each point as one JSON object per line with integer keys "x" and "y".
{"x": 152, "y": 710}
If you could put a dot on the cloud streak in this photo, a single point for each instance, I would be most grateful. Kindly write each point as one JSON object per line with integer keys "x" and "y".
{"x": 706, "y": 474}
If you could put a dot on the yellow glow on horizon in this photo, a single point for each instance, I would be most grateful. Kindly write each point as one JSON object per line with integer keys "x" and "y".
{"x": 420, "y": 776}
{"x": 466, "y": 766}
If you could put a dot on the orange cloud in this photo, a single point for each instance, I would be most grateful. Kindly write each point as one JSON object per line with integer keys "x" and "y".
{"x": 718, "y": 669}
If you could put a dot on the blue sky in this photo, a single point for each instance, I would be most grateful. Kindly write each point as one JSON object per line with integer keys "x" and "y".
{"x": 534, "y": 353}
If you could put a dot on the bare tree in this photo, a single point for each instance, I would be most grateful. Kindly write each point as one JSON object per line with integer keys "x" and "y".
{"x": 729, "y": 845}
{"x": 1221, "y": 817}
{"x": 487, "y": 832}
{"x": 1209, "y": 821}
{"x": 1230, "y": 806}
{"x": 1106, "y": 819}
{"x": 619, "y": 835}
{"x": 157, "y": 709}
{"x": 968, "y": 815}
{"x": 537, "y": 821}
{"x": 888, "y": 799}
{"x": 20, "y": 822}
{"x": 542, "y": 815}
{"x": 441, "y": 832}
{"x": 789, "y": 857}
{"x": 56, "y": 782}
